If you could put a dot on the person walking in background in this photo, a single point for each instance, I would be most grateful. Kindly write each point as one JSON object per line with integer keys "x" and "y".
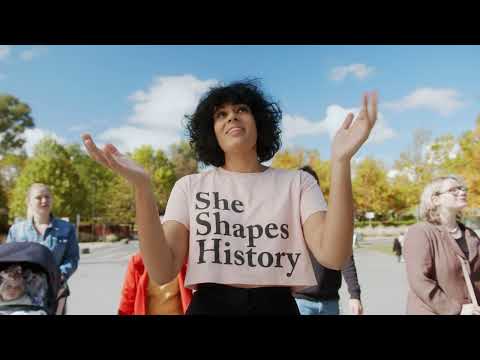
{"x": 323, "y": 299}
{"x": 437, "y": 250}
{"x": 397, "y": 249}
{"x": 56, "y": 234}
{"x": 401, "y": 240}
{"x": 357, "y": 239}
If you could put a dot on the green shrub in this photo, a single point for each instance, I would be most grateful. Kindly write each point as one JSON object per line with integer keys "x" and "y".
{"x": 362, "y": 224}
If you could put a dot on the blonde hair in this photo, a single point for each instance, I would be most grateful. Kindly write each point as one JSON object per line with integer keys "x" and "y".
{"x": 29, "y": 195}
{"x": 428, "y": 210}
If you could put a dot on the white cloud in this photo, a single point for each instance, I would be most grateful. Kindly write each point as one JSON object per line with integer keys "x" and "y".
{"x": 158, "y": 116}
{"x": 33, "y": 137}
{"x": 360, "y": 71}
{"x": 336, "y": 115}
{"x": 442, "y": 101}
{"x": 294, "y": 126}
{"x": 158, "y": 112}
{"x": 28, "y": 55}
{"x": 167, "y": 101}
{"x": 127, "y": 138}
{"x": 5, "y": 51}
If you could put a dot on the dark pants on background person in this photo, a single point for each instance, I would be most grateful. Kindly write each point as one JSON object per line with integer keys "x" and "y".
{"x": 217, "y": 299}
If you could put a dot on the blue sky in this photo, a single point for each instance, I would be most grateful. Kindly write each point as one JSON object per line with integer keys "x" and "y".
{"x": 131, "y": 95}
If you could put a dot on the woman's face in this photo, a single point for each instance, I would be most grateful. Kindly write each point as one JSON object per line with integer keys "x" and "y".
{"x": 452, "y": 195}
{"x": 40, "y": 201}
{"x": 235, "y": 128}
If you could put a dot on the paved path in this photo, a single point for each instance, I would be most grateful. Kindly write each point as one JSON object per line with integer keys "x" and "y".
{"x": 383, "y": 282}
{"x": 97, "y": 283}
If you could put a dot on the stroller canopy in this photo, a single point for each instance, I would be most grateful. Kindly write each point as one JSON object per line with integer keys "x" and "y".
{"x": 32, "y": 253}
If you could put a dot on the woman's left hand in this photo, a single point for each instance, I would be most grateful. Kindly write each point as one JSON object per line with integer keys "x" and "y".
{"x": 351, "y": 136}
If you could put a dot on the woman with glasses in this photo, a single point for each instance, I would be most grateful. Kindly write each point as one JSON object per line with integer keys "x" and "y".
{"x": 435, "y": 250}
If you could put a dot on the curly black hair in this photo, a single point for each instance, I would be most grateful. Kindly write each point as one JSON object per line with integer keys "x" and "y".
{"x": 267, "y": 115}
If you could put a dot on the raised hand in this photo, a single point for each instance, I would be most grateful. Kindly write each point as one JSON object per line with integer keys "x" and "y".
{"x": 352, "y": 134}
{"x": 111, "y": 158}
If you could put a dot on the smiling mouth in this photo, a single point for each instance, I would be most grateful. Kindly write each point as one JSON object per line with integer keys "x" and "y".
{"x": 235, "y": 129}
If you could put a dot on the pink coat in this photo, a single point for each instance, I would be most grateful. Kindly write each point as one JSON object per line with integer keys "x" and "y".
{"x": 434, "y": 272}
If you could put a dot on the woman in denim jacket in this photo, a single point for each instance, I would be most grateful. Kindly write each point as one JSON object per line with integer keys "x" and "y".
{"x": 41, "y": 227}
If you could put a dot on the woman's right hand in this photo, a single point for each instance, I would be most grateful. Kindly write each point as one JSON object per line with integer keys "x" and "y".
{"x": 111, "y": 158}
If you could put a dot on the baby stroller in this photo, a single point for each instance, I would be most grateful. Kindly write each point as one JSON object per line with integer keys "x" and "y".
{"x": 29, "y": 280}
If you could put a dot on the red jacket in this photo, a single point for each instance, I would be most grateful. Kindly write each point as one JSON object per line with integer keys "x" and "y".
{"x": 134, "y": 293}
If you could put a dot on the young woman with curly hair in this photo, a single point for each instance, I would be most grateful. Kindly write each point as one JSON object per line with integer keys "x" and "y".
{"x": 243, "y": 228}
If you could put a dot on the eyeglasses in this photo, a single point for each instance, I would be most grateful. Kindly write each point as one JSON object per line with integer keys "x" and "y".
{"x": 455, "y": 190}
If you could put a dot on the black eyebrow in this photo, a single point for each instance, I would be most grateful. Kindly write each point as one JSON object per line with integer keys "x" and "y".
{"x": 217, "y": 110}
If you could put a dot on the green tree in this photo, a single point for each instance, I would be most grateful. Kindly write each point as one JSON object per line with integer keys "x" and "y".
{"x": 468, "y": 164}
{"x": 416, "y": 162}
{"x": 3, "y": 210}
{"x": 11, "y": 166}
{"x": 371, "y": 188}
{"x": 95, "y": 179}
{"x": 297, "y": 158}
{"x": 3, "y": 197}
{"x": 121, "y": 204}
{"x": 401, "y": 199}
{"x": 14, "y": 120}
{"x": 161, "y": 170}
{"x": 183, "y": 158}
{"x": 322, "y": 169}
{"x": 442, "y": 155}
{"x": 289, "y": 159}
{"x": 50, "y": 164}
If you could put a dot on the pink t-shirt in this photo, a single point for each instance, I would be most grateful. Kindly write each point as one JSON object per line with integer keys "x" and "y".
{"x": 246, "y": 228}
